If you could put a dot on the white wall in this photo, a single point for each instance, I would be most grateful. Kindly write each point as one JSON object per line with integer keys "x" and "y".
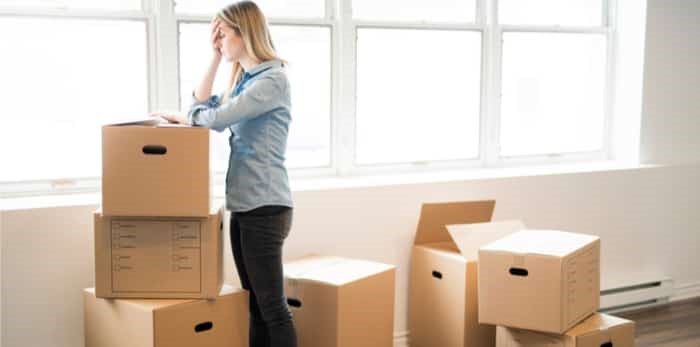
{"x": 2, "y": 283}
{"x": 647, "y": 219}
{"x": 671, "y": 107}
{"x": 629, "y": 69}
{"x": 46, "y": 255}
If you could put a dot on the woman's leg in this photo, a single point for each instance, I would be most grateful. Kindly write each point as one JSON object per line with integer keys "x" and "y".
{"x": 262, "y": 235}
{"x": 257, "y": 332}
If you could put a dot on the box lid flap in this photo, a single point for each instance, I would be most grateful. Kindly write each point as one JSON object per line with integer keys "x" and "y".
{"x": 622, "y": 333}
{"x": 435, "y": 217}
{"x": 214, "y": 212}
{"x": 161, "y": 304}
{"x": 469, "y": 237}
{"x": 145, "y": 304}
{"x": 166, "y": 305}
{"x": 147, "y": 122}
{"x": 143, "y": 121}
{"x": 542, "y": 242}
{"x": 520, "y": 337}
{"x": 332, "y": 270}
{"x": 595, "y": 323}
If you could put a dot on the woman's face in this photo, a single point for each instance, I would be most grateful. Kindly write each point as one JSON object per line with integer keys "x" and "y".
{"x": 232, "y": 45}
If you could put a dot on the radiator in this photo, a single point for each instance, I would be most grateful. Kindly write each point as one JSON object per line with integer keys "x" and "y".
{"x": 636, "y": 295}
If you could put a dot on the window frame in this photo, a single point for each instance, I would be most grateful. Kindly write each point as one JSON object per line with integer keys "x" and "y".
{"x": 162, "y": 37}
{"x": 353, "y": 168}
{"x": 79, "y": 185}
{"x": 608, "y": 28}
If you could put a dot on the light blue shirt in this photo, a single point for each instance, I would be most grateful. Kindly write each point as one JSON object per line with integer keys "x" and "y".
{"x": 258, "y": 114}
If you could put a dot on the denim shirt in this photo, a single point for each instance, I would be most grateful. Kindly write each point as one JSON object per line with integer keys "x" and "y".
{"x": 258, "y": 115}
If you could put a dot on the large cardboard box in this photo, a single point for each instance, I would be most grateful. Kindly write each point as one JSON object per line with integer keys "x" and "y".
{"x": 340, "y": 302}
{"x": 155, "y": 171}
{"x": 542, "y": 280}
{"x": 222, "y": 322}
{"x": 443, "y": 290}
{"x": 598, "y": 330}
{"x": 158, "y": 257}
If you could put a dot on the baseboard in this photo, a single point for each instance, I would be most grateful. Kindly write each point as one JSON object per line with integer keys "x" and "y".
{"x": 401, "y": 339}
{"x": 686, "y": 291}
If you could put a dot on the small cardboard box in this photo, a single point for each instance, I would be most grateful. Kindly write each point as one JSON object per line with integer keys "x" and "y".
{"x": 158, "y": 257}
{"x": 542, "y": 280}
{"x": 340, "y": 302}
{"x": 443, "y": 282}
{"x": 222, "y": 322}
{"x": 155, "y": 171}
{"x": 598, "y": 330}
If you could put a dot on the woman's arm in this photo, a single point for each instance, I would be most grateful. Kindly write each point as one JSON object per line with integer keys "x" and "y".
{"x": 203, "y": 91}
{"x": 202, "y": 94}
{"x": 263, "y": 96}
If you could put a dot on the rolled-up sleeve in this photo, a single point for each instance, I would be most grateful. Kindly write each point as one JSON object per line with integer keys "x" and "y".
{"x": 213, "y": 101}
{"x": 260, "y": 98}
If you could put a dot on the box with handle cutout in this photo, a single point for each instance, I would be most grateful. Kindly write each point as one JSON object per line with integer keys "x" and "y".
{"x": 341, "y": 302}
{"x": 541, "y": 280}
{"x": 151, "y": 170}
{"x": 443, "y": 291}
{"x": 221, "y": 322}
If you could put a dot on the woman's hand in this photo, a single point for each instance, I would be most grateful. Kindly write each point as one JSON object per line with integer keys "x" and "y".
{"x": 215, "y": 37}
{"x": 171, "y": 116}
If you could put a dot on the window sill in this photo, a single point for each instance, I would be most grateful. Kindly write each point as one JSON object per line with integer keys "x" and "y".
{"x": 350, "y": 182}
{"x": 366, "y": 181}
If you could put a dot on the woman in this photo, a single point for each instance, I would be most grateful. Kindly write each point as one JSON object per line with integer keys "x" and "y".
{"x": 256, "y": 109}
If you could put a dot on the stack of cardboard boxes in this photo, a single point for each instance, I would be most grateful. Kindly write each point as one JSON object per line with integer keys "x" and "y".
{"x": 539, "y": 287}
{"x": 158, "y": 259}
{"x": 158, "y": 246}
{"x": 542, "y": 288}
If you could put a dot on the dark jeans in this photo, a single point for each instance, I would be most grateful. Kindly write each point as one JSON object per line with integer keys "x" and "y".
{"x": 257, "y": 237}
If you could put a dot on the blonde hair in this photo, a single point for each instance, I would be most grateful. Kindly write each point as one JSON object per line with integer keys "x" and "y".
{"x": 248, "y": 21}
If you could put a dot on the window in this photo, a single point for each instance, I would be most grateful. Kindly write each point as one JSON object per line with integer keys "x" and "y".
{"x": 552, "y": 12}
{"x": 62, "y": 79}
{"x": 553, "y": 93}
{"x": 415, "y": 10}
{"x": 554, "y": 78}
{"x": 418, "y": 99}
{"x": 307, "y": 50}
{"x": 73, "y": 4}
{"x": 418, "y": 83}
{"x": 271, "y": 8}
{"x": 376, "y": 86}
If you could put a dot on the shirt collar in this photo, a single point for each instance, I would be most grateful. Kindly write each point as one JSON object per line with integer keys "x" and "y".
{"x": 262, "y": 67}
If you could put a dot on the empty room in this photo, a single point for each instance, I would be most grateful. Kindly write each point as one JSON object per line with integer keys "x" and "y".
{"x": 350, "y": 173}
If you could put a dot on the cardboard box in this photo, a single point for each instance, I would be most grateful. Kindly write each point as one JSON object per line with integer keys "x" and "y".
{"x": 167, "y": 323}
{"x": 158, "y": 257}
{"x": 340, "y": 302}
{"x": 598, "y": 330}
{"x": 542, "y": 280}
{"x": 155, "y": 171}
{"x": 443, "y": 291}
